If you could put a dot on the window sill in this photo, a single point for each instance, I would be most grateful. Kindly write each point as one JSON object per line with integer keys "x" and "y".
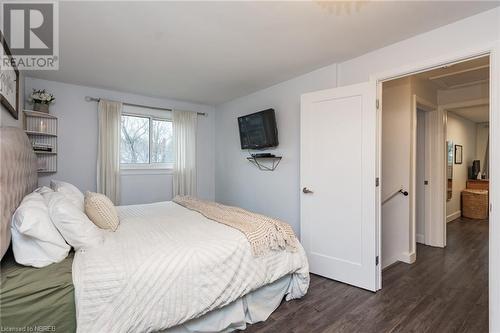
{"x": 146, "y": 171}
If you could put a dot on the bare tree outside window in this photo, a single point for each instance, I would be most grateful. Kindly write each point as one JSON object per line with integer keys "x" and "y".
{"x": 161, "y": 142}
{"x": 134, "y": 146}
{"x": 142, "y": 136}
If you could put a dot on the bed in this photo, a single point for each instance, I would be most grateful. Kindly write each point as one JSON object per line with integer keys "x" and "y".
{"x": 37, "y": 297}
{"x": 165, "y": 269}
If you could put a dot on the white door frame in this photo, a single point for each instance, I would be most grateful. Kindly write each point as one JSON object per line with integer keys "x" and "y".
{"x": 432, "y": 210}
{"x": 493, "y": 50}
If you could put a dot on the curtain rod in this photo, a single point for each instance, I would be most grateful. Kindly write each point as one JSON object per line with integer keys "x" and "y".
{"x": 95, "y": 99}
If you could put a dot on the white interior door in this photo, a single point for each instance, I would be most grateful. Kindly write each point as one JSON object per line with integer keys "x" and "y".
{"x": 338, "y": 183}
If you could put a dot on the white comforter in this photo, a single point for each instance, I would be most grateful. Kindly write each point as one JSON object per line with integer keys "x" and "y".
{"x": 165, "y": 265}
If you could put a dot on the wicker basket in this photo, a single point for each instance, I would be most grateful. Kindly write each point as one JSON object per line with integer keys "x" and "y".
{"x": 475, "y": 204}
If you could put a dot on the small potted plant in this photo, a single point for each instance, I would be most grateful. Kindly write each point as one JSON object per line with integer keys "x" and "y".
{"x": 41, "y": 100}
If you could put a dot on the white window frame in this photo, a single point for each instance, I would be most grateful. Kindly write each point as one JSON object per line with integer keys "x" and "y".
{"x": 146, "y": 166}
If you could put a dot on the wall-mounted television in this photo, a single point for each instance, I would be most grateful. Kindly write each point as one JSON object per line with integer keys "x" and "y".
{"x": 258, "y": 130}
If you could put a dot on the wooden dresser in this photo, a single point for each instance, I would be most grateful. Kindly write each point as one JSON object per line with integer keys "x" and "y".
{"x": 478, "y": 184}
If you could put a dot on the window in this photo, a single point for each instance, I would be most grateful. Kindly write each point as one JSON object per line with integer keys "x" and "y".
{"x": 146, "y": 142}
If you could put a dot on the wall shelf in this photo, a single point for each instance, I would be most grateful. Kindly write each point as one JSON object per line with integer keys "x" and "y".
{"x": 40, "y": 133}
{"x": 45, "y": 152}
{"x": 266, "y": 163}
{"x": 39, "y": 114}
{"x": 41, "y": 129}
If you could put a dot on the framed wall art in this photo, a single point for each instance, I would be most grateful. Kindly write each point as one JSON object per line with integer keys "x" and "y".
{"x": 9, "y": 80}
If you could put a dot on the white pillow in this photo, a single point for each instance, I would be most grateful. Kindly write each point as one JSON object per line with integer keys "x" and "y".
{"x": 35, "y": 240}
{"x": 70, "y": 191}
{"x": 43, "y": 189}
{"x": 72, "y": 223}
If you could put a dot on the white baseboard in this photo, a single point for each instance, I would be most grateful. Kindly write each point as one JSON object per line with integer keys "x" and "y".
{"x": 408, "y": 258}
{"x": 453, "y": 216}
{"x": 420, "y": 238}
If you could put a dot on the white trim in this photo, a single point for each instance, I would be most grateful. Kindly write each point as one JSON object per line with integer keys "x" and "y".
{"x": 145, "y": 172}
{"x": 146, "y": 166}
{"x": 494, "y": 232}
{"x": 432, "y": 211}
{"x": 429, "y": 64}
{"x": 412, "y": 246}
{"x": 409, "y": 257}
{"x": 493, "y": 50}
{"x": 442, "y": 166}
{"x": 378, "y": 190}
{"x": 453, "y": 216}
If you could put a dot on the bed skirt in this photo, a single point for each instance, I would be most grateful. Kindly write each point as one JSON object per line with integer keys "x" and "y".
{"x": 252, "y": 308}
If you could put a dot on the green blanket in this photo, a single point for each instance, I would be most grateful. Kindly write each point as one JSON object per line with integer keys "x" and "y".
{"x": 37, "y": 299}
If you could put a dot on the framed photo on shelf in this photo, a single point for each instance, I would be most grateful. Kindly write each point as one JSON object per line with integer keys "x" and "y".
{"x": 9, "y": 81}
{"x": 458, "y": 154}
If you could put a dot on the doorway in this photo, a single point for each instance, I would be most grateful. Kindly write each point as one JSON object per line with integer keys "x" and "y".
{"x": 417, "y": 157}
{"x": 359, "y": 176}
{"x": 435, "y": 147}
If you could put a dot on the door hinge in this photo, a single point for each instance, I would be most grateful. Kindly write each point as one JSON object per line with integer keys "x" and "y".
{"x": 377, "y": 104}
{"x": 491, "y": 207}
{"x": 377, "y": 182}
{"x": 376, "y": 261}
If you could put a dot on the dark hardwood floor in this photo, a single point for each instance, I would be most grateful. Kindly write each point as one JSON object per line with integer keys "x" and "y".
{"x": 446, "y": 290}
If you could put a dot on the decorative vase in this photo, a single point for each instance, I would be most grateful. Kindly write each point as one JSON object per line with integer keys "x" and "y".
{"x": 41, "y": 107}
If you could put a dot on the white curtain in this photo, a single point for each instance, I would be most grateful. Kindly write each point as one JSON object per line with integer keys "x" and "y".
{"x": 108, "y": 151}
{"x": 184, "y": 131}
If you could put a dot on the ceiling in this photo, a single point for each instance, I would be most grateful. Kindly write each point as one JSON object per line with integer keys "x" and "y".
{"x": 463, "y": 74}
{"x": 212, "y": 52}
{"x": 459, "y": 75}
{"x": 476, "y": 113}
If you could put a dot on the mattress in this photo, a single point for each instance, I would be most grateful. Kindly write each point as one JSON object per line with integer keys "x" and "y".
{"x": 37, "y": 299}
{"x": 222, "y": 292}
{"x": 44, "y": 297}
{"x": 166, "y": 265}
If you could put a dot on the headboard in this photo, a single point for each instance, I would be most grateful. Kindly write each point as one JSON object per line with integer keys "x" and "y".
{"x": 18, "y": 177}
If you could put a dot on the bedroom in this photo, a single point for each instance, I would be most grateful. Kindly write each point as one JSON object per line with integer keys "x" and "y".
{"x": 221, "y": 71}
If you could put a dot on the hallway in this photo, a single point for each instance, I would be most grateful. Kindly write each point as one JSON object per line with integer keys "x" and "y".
{"x": 446, "y": 290}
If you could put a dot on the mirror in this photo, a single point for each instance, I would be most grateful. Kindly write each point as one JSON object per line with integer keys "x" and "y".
{"x": 449, "y": 169}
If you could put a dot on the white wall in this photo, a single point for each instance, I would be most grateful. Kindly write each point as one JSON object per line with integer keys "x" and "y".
{"x": 240, "y": 183}
{"x": 77, "y": 142}
{"x": 396, "y": 152}
{"x": 462, "y": 132}
{"x": 277, "y": 193}
{"x": 397, "y": 124}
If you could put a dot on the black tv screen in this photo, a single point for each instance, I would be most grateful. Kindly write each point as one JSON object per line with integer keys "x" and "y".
{"x": 258, "y": 130}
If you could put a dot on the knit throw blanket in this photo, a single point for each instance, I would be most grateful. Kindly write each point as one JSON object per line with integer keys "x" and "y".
{"x": 262, "y": 232}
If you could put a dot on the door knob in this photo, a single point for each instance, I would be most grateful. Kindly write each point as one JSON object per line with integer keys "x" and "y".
{"x": 306, "y": 190}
